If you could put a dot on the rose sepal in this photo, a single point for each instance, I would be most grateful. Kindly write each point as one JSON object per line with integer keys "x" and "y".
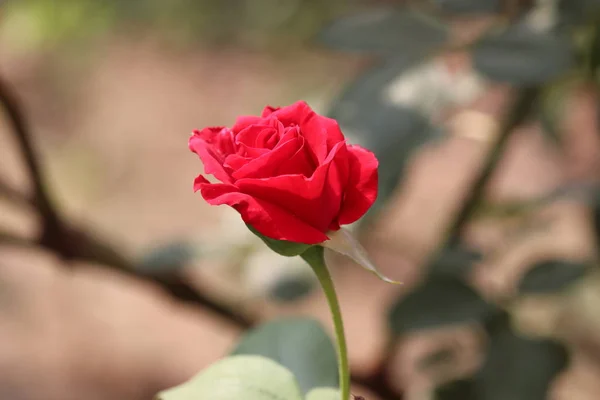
{"x": 341, "y": 241}
{"x": 282, "y": 247}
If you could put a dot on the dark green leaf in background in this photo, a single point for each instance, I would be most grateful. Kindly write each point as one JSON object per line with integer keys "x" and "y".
{"x": 594, "y": 52}
{"x": 435, "y": 303}
{"x": 299, "y": 344}
{"x": 577, "y": 11}
{"x": 454, "y": 261}
{"x": 553, "y": 107}
{"x": 550, "y": 276}
{"x": 469, "y": 6}
{"x": 385, "y": 31}
{"x": 291, "y": 288}
{"x": 457, "y": 390}
{"x": 522, "y": 57}
{"x": 169, "y": 257}
{"x": 518, "y": 368}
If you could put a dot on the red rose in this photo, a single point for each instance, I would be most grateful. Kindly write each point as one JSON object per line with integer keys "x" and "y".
{"x": 289, "y": 173}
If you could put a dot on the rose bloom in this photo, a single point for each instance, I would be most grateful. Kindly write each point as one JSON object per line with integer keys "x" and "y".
{"x": 289, "y": 173}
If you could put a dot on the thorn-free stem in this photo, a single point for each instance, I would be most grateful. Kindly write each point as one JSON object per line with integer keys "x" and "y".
{"x": 316, "y": 259}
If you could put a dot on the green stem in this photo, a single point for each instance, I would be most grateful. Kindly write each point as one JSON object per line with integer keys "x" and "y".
{"x": 315, "y": 258}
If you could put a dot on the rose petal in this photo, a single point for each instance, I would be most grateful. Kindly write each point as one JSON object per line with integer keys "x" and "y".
{"x": 298, "y": 164}
{"x": 234, "y": 162}
{"x": 220, "y": 138}
{"x": 199, "y": 181}
{"x": 251, "y": 152}
{"x": 315, "y": 200}
{"x": 211, "y": 158}
{"x": 269, "y": 110}
{"x": 321, "y": 133}
{"x": 266, "y": 217}
{"x": 264, "y": 134}
{"x": 251, "y": 135}
{"x": 322, "y": 127}
{"x": 266, "y": 165}
{"x": 361, "y": 192}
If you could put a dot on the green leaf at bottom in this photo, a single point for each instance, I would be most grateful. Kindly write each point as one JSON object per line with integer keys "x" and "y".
{"x": 323, "y": 394}
{"x": 238, "y": 377}
{"x": 299, "y": 344}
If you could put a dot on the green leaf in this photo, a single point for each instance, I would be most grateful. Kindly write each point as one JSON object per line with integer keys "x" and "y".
{"x": 283, "y": 247}
{"x": 469, "y": 6}
{"x": 454, "y": 261}
{"x": 238, "y": 377}
{"x": 519, "y": 368}
{"x": 299, "y": 344}
{"x": 522, "y": 57}
{"x": 551, "y": 276}
{"x": 386, "y": 31}
{"x": 577, "y": 11}
{"x": 392, "y": 132}
{"x": 438, "y": 302}
{"x": 169, "y": 257}
{"x": 323, "y": 394}
{"x": 291, "y": 288}
{"x": 553, "y": 106}
{"x": 457, "y": 390}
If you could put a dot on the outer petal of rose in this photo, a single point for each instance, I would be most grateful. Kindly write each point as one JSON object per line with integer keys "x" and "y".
{"x": 268, "y": 110}
{"x": 210, "y": 159}
{"x": 266, "y": 217}
{"x": 315, "y": 200}
{"x": 361, "y": 191}
{"x": 208, "y": 133}
{"x": 199, "y": 181}
{"x": 321, "y": 133}
{"x": 266, "y": 165}
{"x": 220, "y": 138}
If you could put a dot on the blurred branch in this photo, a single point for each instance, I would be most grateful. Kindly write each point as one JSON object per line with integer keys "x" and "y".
{"x": 12, "y": 239}
{"x": 51, "y": 221}
{"x": 518, "y": 112}
{"x": 75, "y": 243}
{"x": 14, "y": 196}
{"x": 584, "y": 192}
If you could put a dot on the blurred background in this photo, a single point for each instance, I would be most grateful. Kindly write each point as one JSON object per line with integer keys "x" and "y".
{"x": 117, "y": 281}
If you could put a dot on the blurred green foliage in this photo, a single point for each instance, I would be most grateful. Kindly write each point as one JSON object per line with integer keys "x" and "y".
{"x": 527, "y": 46}
{"x": 299, "y": 344}
{"x": 39, "y": 24}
